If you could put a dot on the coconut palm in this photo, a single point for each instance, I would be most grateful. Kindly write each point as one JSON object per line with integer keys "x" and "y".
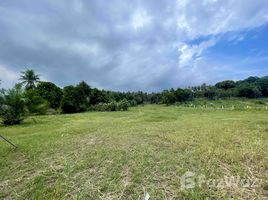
{"x": 29, "y": 78}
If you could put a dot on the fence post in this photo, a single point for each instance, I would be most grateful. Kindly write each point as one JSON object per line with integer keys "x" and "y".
{"x": 8, "y": 141}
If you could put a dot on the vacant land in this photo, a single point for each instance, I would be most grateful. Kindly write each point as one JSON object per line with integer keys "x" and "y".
{"x": 124, "y": 155}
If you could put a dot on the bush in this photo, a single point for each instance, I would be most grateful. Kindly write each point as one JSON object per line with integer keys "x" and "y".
{"x": 123, "y": 105}
{"x": 101, "y": 107}
{"x": 12, "y": 108}
{"x": 111, "y": 107}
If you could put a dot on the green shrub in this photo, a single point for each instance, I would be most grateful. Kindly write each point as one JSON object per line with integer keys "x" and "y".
{"x": 123, "y": 105}
{"x": 112, "y": 106}
{"x": 105, "y": 107}
{"x": 12, "y": 108}
{"x": 101, "y": 107}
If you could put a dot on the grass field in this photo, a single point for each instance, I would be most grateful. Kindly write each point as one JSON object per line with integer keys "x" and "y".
{"x": 124, "y": 155}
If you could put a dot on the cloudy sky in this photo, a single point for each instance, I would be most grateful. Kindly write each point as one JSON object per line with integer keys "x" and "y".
{"x": 146, "y": 45}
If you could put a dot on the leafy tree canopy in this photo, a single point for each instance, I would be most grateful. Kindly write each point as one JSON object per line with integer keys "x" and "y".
{"x": 228, "y": 84}
{"x": 51, "y": 93}
{"x": 29, "y": 78}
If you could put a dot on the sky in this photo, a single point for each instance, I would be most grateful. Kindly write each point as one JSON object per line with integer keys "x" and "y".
{"x": 131, "y": 45}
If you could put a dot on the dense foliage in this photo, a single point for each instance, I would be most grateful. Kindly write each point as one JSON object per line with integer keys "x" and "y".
{"x": 34, "y": 102}
{"x": 51, "y": 93}
{"x": 12, "y": 104}
{"x": 122, "y": 105}
{"x": 39, "y": 97}
{"x": 74, "y": 100}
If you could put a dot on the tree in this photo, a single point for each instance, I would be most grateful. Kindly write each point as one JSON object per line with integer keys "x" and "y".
{"x": 251, "y": 79}
{"x": 263, "y": 84}
{"x": 12, "y": 107}
{"x": 248, "y": 90}
{"x": 183, "y": 95}
{"x": 168, "y": 97}
{"x": 98, "y": 96}
{"x": 29, "y": 78}
{"x": 51, "y": 93}
{"x": 155, "y": 98}
{"x": 84, "y": 92}
{"x": 225, "y": 85}
{"x": 69, "y": 104}
{"x": 222, "y": 93}
{"x": 76, "y": 99}
{"x": 210, "y": 93}
{"x": 138, "y": 97}
{"x": 35, "y": 103}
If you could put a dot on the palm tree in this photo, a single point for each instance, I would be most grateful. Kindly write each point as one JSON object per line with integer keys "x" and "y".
{"x": 29, "y": 78}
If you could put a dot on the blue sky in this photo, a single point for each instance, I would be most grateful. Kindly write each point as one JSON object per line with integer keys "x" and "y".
{"x": 134, "y": 45}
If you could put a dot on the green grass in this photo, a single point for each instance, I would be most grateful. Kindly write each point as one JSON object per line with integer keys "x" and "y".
{"x": 229, "y": 104}
{"x": 123, "y": 155}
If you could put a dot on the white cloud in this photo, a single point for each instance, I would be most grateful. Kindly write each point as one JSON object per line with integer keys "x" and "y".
{"x": 189, "y": 53}
{"x": 140, "y": 19}
{"x": 124, "y": 45}
{"x": 212, "y": 17}
{"x": 7, "y": 76}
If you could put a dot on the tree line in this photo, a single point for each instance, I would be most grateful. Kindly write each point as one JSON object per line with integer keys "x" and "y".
{"x": 34, "y": 97}
{"x": 252, "y": 87}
